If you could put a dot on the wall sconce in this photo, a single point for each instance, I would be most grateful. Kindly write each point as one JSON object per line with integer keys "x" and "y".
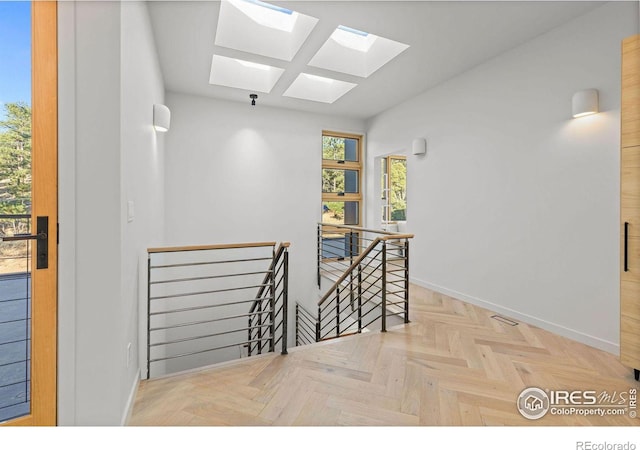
{"x": 584, "y": 103}
{"x": 161, "y": 118}
{"x": 419, "y": 146}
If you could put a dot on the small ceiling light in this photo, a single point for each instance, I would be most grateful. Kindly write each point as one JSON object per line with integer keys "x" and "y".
{"x": 161, "y": 118}
{"x": 253, "y": 98}
{"x": 584, "y": 103}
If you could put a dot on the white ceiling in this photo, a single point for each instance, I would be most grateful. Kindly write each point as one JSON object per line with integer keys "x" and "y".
{"x": 446, "y": 38}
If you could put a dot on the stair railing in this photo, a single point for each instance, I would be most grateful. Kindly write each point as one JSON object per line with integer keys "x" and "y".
{"x": 272, "y": 300}
{"x": 373, "y": 287}
{"x": 198, "y": 304}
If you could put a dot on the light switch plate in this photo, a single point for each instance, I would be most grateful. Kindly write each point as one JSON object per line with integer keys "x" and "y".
{"x": 130, "y": 211}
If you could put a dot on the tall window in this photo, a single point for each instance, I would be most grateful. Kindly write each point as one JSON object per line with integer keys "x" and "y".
{"x": 341, "y": 178}
{"x": 394, "y": 189}
{"x": 341, "y": 193}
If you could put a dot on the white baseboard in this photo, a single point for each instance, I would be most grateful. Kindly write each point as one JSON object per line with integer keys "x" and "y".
{"x": 583, "y": 338}
{"x": 131, "y": 400}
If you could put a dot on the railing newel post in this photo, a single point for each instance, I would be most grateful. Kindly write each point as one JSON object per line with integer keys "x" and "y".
{"x": 359, "y": 298}
{"x": 318, "y": 323}
{"x": 285, "y": 301}
{"x": 384, "y": 286}
{"x": 148, "y": 315}
{"x": 406, "y": 281}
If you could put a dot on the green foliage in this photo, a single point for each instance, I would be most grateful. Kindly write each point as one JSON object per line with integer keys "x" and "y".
{"x": 333, "y": 148}
{"x": 398, "y": 187}
{"x": 15, "y": 159}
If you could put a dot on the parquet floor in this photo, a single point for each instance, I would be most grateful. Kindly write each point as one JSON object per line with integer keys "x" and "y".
{"x": 453, "y": 365}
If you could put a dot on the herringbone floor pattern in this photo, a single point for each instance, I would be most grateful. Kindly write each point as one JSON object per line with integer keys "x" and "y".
{"x": 453, "y": 365}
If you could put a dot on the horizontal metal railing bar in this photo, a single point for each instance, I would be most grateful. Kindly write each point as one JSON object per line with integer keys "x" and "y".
{"x": 277, "y": 341}
{"x": 328, "y": 251}
{"x": 395, "y": 283}
{"x": 395, "y": 265}
{"x": 16, "y": 320}
{"x": 396, "y": 271}
{"x": 311, "y": 333}
{"x": 15, "y": 299}
{"x": 26, "y": 400}
{"x": 22, "y": 361}
{"x": 196, "y": 308}
{"x": 17, "y": 382}
{"x": 311, "y": 321}
{"x": 307, "y": 321}
{"x": 183, "y": 355}
{"x": 369, "y": 323}
{"x": 178, "y": 280}
{"x": 192, "y": 248}
{"x": 15, "y": 216}
{"x": 304, "y": 310}
{"x": 200, "y": 322}
{"x": 205, "y": 263}
{"x": 189, "y": 294}
{"x": 204, "y": 336}
{"x": 15, "y": 342}
{"x": 401, "y": 291}
{"x": 305, "y": 340}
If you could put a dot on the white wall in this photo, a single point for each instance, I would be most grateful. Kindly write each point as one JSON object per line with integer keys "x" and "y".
{"x": 515, "y": 206}
{"x": 109, "y": 80}
{"x": 142, "y": 172}
{"x": 237, "y": 173}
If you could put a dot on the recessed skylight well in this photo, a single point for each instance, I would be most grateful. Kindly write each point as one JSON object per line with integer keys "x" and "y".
{"x": 318, "y": 89}
{"x": 258, "y": 27}
{"x": 356, "y": 52}
{"x": 238, "y": 73}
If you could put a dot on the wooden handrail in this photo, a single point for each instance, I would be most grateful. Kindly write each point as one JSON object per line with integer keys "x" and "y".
{"x": 212, "y": 247}
{"x": 355, "y": 264}
{"x": 368, "y": 230}
{"x": 396, "y": 236}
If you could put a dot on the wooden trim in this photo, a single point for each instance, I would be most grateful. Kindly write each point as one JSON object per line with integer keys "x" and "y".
{"x": 211, "y": 247}
{"x": 347, "y": 165}
{"x": 44, "y": 70}
{"x": 630, "y": 92}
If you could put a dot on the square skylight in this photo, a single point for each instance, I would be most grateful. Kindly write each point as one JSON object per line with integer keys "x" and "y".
{"x": 318, "y": 89}
{"x": 262, "y": 28}
{"x": 356, "y": 52}
{"x": 237, "y": 73}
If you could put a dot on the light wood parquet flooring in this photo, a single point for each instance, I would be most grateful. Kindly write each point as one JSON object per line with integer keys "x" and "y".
{"x": 453, "y": 365}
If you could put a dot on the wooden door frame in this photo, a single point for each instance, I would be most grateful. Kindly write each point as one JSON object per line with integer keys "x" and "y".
{"x": 44, "y": 99}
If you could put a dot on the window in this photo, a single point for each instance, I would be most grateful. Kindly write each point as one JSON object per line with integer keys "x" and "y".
{"x": 394, "y": 189}
{"x": 341, "y": 193}
{"x": 341, "y": 178}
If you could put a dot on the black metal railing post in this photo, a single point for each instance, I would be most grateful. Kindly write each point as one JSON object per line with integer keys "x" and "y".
{"x": 285, "y": 301}
{"x": 351, "y": 294}
{"x": 319, "y": 321}
{"x": 319, "y": 250}
{"x": 359, "y": 298}
{"x": 272, "y": 308}
{"x": 148, "y": 315}
{"x": 384, "y": 286}
{"x": 406, "y": 281}
{"x": 297, "y": 325}
{"x": 338, "y": 312}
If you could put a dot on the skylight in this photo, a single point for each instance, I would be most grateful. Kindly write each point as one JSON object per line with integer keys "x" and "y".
{"x": 353, "y": 39}
{"x": 268, "y": 15}
{"x": 356, "y": 52}
{"x": 238, "y": 73}
{"x": 261, "y": 28}
{"x": 318, "y": 89}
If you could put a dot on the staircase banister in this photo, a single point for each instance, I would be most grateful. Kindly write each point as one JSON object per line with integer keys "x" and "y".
{"x": 396, "y": 237}
{"x": 210, "y": 247}
{"x": 272, "y": 267}
{"x": 353, "y": 266}
{"x": 354, "y": 228}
